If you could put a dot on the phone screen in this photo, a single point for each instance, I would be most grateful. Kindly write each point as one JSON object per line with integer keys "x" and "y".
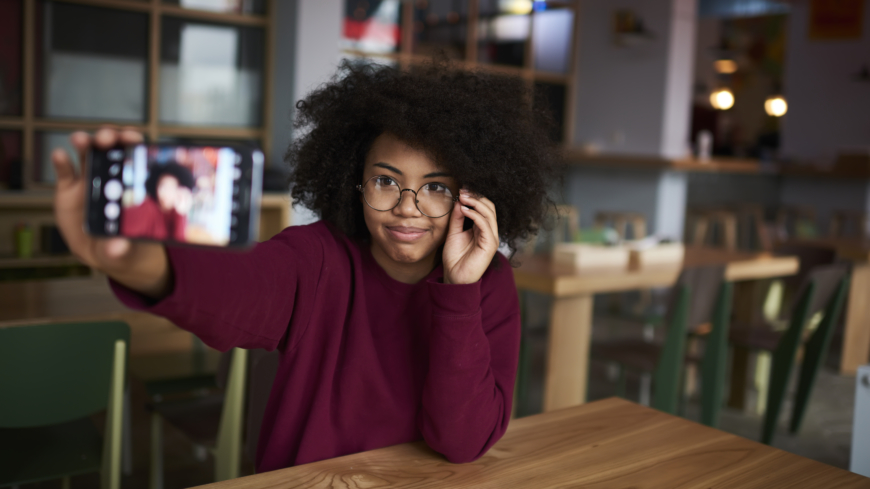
{"x": 201, "y": 195}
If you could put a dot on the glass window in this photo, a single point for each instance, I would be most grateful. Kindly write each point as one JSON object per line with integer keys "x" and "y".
{"x": 440, "y": 25}
{"x": 554, "y": 96}
{"x": 503, "y": 31}
{"x": 372, "y": 26}
{"x": 210, "y": 74}
{"x": 46, "y": 142}
{"x": 552, "y": 34}
{"x": 92, "y": 62}
{"x": 228, "y": 6}
{"x": 10, "y": 159}
{"x": 10, "y": 57}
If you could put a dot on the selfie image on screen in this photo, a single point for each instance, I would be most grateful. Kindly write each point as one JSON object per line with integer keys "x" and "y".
{"x": 174, "y": 193}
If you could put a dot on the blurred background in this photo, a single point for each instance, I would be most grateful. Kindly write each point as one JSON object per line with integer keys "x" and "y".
{"x": 736, "y": 125}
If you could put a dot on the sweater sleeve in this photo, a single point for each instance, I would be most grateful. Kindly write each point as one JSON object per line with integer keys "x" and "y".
{"x": 251, "y": 299}
{"x": 473, "y": 354}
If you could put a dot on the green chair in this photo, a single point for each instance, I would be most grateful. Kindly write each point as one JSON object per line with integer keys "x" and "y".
{"x": 700, "y": 297}
{"x": 824, "y": 291}
{"x": 53, "y": 377}
{"x": 211, "y": 421}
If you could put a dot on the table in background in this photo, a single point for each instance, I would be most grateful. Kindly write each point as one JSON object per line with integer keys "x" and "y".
{"x": 87, "y": 299}
{"x": 570, "y": 326}
{"x": 608, "y": 443}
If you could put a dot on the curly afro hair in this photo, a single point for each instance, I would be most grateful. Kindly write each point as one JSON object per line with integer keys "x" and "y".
{"x": 485, "y": 129}
{"x": 158, "y": 171}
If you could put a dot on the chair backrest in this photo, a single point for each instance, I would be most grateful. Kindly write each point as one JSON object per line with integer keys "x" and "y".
{"x": 52, "y": 373}
{"x": 825, "y": 279}
{"x": 693, "y": 303}
{"x": 261, "y": 371}
{"x": 263, "y": 368}
{"x": 703, "y": 283}
{"x": 809, "y": 257}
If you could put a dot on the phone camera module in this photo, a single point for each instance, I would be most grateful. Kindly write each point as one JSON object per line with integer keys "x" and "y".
{"x": 112, "y": 227}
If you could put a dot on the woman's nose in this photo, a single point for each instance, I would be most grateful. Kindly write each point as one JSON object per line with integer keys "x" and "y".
{"x": 408, "y": 206}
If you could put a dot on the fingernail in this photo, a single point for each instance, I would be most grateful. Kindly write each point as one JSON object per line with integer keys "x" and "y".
{"x": 464, "y": 191}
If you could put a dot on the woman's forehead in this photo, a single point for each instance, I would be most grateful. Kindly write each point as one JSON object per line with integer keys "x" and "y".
{"x": 392, "y": 154}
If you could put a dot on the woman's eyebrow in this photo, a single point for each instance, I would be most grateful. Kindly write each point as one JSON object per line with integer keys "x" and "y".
{"x": 389, "y": 167}
{"x": 437, "y": 174}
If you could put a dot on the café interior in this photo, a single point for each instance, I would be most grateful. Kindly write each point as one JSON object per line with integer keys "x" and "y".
{"x": 694, "y": 310}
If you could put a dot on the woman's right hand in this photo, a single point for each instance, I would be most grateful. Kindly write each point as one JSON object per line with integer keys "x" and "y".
{"x": 141, "y": 266}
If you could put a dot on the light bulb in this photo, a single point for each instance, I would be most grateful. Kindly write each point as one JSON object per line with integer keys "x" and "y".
{"x": 775, "y": 106}
{"x": 722, "y": 99}
{"x": 725, "y": 66}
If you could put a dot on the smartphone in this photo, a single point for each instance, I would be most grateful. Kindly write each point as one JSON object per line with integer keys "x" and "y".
{"x": 197, "y": 195}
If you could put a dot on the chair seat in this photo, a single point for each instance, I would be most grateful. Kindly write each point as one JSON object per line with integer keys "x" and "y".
{"x": 755, "y": 336}
{"x": 49, "y": 452}
{"x": 198, "y": 417}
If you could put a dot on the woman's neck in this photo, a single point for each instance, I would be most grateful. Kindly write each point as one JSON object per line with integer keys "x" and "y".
{"x": 408, "y": 273}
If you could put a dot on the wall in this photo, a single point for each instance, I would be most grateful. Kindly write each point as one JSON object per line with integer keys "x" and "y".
{"x": 307, "y": 55}
{"x": 828, "y": 110}
{"x": 635, "y": 99}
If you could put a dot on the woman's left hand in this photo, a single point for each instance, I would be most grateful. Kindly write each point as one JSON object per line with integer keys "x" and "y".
{"x": 467, "y": 254}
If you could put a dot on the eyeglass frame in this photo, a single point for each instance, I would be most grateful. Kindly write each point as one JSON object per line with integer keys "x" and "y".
{"x": 361, "y": 189}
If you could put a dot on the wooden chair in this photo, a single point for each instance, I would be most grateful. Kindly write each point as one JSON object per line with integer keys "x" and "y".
{"x": 226, "y": 423}
{"x": 823, "y": 291}
{"x": 620, "y": 222}
{"x": 796, "y": 221}
{"x": 704, "y": 222}
{"x": 562, "y": 225}
{"x": 53, "y": 377}
{"x": 848, "y": 223}
{"x": 700, "y": 298}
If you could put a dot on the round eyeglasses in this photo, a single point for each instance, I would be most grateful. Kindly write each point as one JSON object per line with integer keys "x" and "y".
{"x": 383, "y": 193}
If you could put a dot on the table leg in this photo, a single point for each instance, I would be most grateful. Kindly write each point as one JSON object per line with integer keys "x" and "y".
{"x": 856, "y": 335}
{"x": 568, "y": 352}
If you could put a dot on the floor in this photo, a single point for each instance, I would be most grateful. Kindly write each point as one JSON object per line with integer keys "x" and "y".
{"x": 826, "y": 434}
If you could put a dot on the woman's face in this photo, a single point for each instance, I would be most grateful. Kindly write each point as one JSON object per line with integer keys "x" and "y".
{"x": 404, "y": 236}
{"x": 167, "y": 192}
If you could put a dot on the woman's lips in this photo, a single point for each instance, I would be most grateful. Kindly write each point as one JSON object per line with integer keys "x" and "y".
{"x": 405, "y": 233}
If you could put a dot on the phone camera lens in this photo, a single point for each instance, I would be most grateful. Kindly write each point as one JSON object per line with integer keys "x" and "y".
{"x": 112, "y": 227}
{"x": 113, "y": 190}
{"x": 112, "y": 210}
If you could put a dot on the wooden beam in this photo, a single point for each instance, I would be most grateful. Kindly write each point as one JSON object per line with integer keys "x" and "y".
{"x": 28, "y": 137}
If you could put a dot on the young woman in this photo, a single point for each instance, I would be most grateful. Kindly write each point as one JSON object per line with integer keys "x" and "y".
{"x": 396, "y": 317}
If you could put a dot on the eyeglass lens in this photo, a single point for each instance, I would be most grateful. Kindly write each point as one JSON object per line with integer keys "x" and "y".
{"x": 383, "y": 193}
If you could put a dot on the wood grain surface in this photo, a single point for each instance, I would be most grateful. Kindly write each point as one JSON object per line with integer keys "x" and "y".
{"x": 537, "y": 273}
{"x": 605, "y": 444}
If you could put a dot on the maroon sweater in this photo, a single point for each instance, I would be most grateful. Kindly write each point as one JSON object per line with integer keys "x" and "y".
{"x": 367, "y": 361}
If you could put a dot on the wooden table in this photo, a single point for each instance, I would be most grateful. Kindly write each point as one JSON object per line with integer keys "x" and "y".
{"x": 856, "y": 334}
{"x": 571, "y": 311}
{"x": 603, "y": 444}
{"x": 87, "y": 299}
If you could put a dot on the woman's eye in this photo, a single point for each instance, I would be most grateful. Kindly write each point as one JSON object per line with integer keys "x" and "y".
{"x": 385, "y": 181}
{"x": 435, "y": 187}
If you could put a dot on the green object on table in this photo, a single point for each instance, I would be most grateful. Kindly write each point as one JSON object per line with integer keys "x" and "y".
{"x": 53, "y": 377}
{"x": 24, "y": 241}
{"x": 596, "y": 236}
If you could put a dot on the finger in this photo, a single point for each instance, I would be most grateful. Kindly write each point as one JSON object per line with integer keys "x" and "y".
{"x": 81, "y": 141}
{"x": 63, "y": 168}
{"x": 115, "y": 248}
{"x": 130, "y": 136}
{"x": 478, "y": 201}
{"x": 487, "y": 237}
{"x": 456, "y": 220}
{"x": 485, "y": 208}
{"x": 106, "y": 138}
